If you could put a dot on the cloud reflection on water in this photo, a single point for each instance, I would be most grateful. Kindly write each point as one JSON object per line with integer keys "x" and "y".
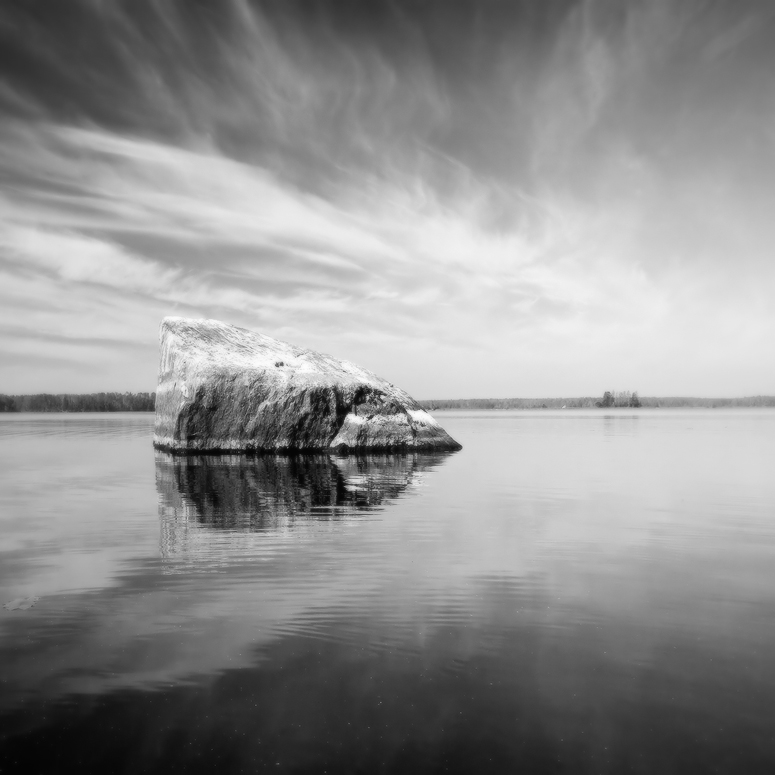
{"x": 276, "y": 530}
{"x": 574, "y": 587}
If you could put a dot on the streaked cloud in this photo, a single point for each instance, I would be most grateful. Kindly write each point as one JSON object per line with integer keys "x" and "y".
{"x": 468, "y": 199}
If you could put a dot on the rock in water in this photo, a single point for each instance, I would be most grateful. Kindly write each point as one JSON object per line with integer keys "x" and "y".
{"x": 223, "y": 388}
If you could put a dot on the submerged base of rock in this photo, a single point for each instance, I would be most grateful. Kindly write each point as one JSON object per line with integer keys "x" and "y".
{"x": 226, "y": 389}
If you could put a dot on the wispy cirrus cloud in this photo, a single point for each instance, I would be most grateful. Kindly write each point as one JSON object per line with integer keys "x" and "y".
{"x": 560, "y": 198}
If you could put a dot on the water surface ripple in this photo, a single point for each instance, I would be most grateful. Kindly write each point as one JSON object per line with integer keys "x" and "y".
{"x": 575, "y": 591}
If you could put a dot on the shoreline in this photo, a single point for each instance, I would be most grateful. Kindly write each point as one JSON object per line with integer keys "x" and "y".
{"x": 498, "y": 405}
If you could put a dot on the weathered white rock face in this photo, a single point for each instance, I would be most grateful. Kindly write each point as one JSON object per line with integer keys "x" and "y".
{"x": 223, "y": 388}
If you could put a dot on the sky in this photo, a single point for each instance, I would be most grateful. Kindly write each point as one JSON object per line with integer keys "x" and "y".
{"x": 472, "y": 199}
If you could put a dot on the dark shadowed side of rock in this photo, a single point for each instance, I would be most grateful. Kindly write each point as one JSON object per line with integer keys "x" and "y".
{"x": 223, "y": 388}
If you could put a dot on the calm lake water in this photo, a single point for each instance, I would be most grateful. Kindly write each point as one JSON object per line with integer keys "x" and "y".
{"x": 576, "y": 591}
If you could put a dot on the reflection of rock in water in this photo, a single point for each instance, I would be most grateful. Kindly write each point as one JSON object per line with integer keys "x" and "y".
{"x": 235, "y": 494}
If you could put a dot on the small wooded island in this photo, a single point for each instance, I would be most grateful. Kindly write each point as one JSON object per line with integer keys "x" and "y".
{"x": 226, "y": 389}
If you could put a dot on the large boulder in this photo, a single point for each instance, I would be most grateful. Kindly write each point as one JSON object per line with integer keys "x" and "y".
{"x": 223, "y": 388}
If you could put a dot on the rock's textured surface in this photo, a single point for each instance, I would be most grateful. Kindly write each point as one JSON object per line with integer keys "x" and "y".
{"x": 223, "y": 388}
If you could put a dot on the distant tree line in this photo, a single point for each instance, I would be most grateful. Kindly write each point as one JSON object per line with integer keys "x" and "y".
{"x": 588, "y": 402}
{"x": 74, "y": 402}
{"x": 509, "y": 403}
{"x": 711, "y": 403}
{"x": 621, "y": 398}
{"x": 145, "y": 402}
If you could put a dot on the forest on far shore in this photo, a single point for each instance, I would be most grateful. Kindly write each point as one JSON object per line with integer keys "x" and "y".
{"x": 591, "y": 402}
{"x": 74, "y": 402}
{"x": 144, "y": 402}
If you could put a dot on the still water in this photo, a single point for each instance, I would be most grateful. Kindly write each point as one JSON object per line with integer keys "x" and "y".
{"x": 577, "y": 591}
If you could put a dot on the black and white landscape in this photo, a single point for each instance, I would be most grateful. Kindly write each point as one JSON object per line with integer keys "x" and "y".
{"x": 387, "y": 386}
